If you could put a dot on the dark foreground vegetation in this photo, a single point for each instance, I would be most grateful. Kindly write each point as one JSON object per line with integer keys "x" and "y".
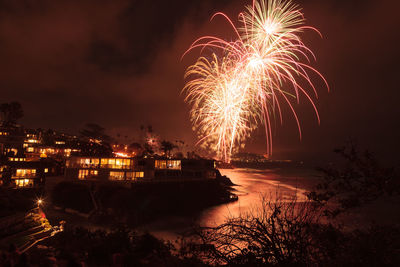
{"x": 358, "y": 181}
{"x": 280, "y": 233}
{"x": 15, "y": 201}
{"x": 140, "y": 203}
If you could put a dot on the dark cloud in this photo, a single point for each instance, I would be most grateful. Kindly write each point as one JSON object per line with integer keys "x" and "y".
{"x": 117, "y": 63}
{"x": 358, "y": 55}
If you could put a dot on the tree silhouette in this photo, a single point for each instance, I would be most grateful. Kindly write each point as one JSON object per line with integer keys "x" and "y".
{"x": 96, "y": 132}
{"x": 135, "y": 147}
{"x": 100, "y": 146}
{"x": 360, "y": 179}
{"x": 167, "y": 147}
{"x": 48, "y": 137}
{"x": 92, "y": 149}
{"x": 10, "y": 113}
{"x": 148, "y": 150}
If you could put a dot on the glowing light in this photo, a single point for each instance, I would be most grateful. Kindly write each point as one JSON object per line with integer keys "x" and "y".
{"x": 233, "y": 93}
{"x": 121, "y": 154}
{"x": 39, "y": 202}
{"x": 270, "y": 28}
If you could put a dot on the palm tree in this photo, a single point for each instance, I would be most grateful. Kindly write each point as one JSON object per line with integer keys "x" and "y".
{"x": 167, "y": 147}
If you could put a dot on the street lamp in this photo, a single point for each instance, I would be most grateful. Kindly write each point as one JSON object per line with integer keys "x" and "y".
{"x": 39, "y": 202}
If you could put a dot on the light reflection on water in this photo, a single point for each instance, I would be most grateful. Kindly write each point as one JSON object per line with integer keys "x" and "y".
{"x": 252, "y": 185}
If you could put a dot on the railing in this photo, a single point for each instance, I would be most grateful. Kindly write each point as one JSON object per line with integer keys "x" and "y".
{"x": 99, "y": 166}
{"x": 114, "y": 166}
{"x": 25, "y": 176}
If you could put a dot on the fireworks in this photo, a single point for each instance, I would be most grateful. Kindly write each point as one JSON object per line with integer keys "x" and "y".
{"x": 233, "y": 93}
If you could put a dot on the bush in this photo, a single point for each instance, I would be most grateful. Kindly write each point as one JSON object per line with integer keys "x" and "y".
{"x": 72, "y": 195}
{"x": 360, "y": 180}
{"x": 292, "y": 234}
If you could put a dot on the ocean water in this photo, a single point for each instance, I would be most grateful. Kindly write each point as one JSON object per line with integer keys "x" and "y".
{"x": 252, "y": 186}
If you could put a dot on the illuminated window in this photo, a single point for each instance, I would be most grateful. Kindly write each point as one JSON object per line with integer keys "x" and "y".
{"x": 30, "y": 149}
{"x": 116, "y": 176}
{"x": 118, "y": 162}
{"x": 89, "y": 162}
{"x": 104, "y": 162}
{"x": 25, "y": 173}
{"x": 174, "y": 164}
{"x": 133, "y": 175}
{"x": 129, "y": 175}
{"x": 83, "y": 174}
{"x": 23, "y": 182}
{"x": 46, "y": 170}
{"x": 130, "y": 162}
{"x": 139, "y": 174}
{"x": 160, "y": 164}
{"x": 111, "y": 163}
{"x": 168, "y": 164}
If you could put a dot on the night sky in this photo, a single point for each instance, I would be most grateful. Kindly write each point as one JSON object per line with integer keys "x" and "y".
{"x": 118, "y": 63}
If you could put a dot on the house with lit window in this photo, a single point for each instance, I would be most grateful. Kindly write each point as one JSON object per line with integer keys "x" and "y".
{"x": 185, "y": 169}
{"x": 139, "y": 169}
{"x": 48, "y": 145}
{"x": 95, "y": 168}
{"x": 22, "y": 174}
{"x": 11, "y": 140}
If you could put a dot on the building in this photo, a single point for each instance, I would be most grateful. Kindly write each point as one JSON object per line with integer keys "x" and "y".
{"x": 11, "y": 141}
{"x": 139, "y": 169}
{"x": 49, "y": 144}
{"x": 23, "y": 174}
{"x": 36, "y": 144}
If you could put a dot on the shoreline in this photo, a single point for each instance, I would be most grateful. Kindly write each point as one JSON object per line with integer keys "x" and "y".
{"x": 170, "y": 226}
